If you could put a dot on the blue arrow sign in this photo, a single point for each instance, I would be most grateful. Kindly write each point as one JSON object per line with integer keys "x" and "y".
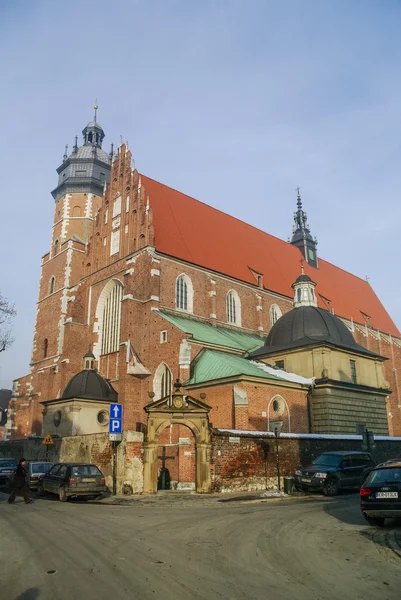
{"x": 116, "y": 418}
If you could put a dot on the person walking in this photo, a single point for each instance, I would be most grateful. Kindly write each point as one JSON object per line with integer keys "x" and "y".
{"x": 19, "y": 485}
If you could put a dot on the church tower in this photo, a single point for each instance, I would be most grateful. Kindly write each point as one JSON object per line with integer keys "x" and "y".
{"x": 301, "y": 236}
{"x": 83, "y": 175}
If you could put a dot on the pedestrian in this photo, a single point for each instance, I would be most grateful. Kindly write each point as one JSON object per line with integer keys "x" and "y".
{"x": 19, "y": 485}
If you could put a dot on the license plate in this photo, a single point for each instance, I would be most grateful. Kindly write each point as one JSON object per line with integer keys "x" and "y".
{"x": 306, "y": 480}
{"x": 87, "y": 480}
{"x": 386, "y": 494}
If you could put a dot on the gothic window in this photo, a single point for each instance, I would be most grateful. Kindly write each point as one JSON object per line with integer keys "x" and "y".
{"x": 45, "y": 347}
{"x": 162, "y": 382}
{"x": 233, "y": 308}
{"x": 275, "y": 314}
{"x": 109, "y": 308}
{"x": 184, "y": 293}
{"x": 52, "y": 284}
{"x": 55, "y": 247}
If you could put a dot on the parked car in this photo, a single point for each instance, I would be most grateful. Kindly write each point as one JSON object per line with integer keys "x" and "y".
{"x": 334, "y": 471}
{"x": 381, "y": 494}
{"x": 70, "y": 480}
{"x": 389, "y": 461}
{"x": 7, "y": 469}
{"x": 36, "y": 470}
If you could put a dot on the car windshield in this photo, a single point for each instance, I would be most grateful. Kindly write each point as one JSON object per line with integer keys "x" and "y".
{"x": 85, "y": 470}
{"x": 384, "y": 476}
{"x": 330, "y": 460}
{"x": 41, "y": 467}
{"x": 7, "y": 463}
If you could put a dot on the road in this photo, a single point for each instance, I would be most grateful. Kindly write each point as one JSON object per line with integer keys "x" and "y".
{"x": 195, "y": 548}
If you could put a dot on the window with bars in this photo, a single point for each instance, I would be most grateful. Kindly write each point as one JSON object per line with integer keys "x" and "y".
{"x": 352, "y": 365}
{"x": 112, "y": 319}
{"x": 233, "y": 308}
{"x": 181, "y": 293}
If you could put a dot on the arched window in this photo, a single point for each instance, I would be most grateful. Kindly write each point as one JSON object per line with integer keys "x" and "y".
{"x": 233, "y": 308}
{"x": 55, "y": 247}
{"x": 162, "y": 382}
{"x": 275, "y": 314}
{"x": 52, "y": 284}
{"x": 299, "y": 294}
{"x": 76, "y": 211}
{"x": 108, "y": 314}
{"x": 184, "y": 293}
{"x": 45, "y": 347}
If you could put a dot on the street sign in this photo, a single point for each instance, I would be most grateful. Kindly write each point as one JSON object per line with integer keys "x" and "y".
{"x": 48, "y": 440}
{"x": 115, "y": 437}
{"x": 116, "y": 420}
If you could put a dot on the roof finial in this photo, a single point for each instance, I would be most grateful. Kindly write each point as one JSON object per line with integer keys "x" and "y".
{"x": 65, "y": 152}
{"x": 121, "y": 140}
{"x": 75, "y": 147}
{"x": 111, "y": 153}
{"x": 302, "y": 265}
{"x": 95, "y": 107}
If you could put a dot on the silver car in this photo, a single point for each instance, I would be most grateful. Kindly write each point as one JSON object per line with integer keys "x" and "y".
{"x": 36, "y": 470}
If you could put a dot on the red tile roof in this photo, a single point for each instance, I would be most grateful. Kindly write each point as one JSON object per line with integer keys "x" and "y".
{"x": 195, "y": 232}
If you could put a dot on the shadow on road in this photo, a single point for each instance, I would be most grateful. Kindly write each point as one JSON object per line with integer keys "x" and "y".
{"x": 346, "y": 510}
{"x": 30, "y": 594}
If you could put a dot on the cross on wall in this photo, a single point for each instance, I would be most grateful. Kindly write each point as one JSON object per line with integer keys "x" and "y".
{"x": 163, "y": 457}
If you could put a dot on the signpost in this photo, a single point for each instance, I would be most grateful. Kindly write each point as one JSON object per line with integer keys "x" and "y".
{"x": 47, "y": 442}
{"x": 115, "y": 436}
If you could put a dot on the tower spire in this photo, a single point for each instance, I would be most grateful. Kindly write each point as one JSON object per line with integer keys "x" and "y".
{"x": 95, "y": 107}
{"x": 301, "y": 235}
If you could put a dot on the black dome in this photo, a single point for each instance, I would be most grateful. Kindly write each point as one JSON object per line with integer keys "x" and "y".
{"x": 305, "y": 326}
{"x": 89, "y": 384}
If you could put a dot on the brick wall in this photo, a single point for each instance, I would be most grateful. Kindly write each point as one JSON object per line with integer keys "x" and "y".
{"x": 247, "y": 461}
{"x": 94, "y": 448}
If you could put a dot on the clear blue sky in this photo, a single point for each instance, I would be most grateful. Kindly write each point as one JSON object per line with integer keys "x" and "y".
{"x": 235, "y": 103}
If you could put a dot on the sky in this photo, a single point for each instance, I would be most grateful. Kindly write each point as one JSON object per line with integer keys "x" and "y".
{"x": 233, "y": 103}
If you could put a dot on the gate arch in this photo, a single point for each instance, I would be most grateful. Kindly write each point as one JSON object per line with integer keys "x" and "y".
{"x": 178, "y": 410}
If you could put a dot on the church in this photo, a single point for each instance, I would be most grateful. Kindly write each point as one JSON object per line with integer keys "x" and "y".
{"x": 143, "y": 286}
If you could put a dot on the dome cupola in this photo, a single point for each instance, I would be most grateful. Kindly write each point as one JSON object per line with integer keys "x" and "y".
{"x": 304, "y": 291}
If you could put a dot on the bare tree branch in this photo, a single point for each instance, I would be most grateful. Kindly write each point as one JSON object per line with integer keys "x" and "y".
{"x": 7, "y": 312}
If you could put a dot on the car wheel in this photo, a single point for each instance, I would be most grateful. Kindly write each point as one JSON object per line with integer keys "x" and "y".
{"x": 40, "y": 490}
{"x": 376, "y": 521}
{"x": 331, "y": 487}
{"x": 62, "y": 494}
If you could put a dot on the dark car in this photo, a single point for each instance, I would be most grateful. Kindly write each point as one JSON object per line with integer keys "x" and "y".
{"x": 70, "y": 480}
{"x": 381, "y": 494}
{"x": 334, "y": 471}
{"x": 36, "y": 470}
{"x": 7, "y": 469}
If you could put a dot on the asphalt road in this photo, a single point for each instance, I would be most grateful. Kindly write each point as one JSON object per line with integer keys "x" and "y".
{"x": 190, "y": 548}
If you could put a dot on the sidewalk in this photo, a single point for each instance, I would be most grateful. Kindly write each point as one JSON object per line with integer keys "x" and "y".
{"x": 185, "y": 497}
